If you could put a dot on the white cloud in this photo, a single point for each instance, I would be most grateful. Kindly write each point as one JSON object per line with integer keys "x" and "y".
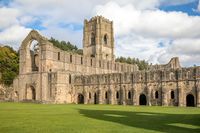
{"x": 14, "y": 35}
{"x": 8, "y": 17}
{"x": 187, "y": 49}
{"x": 139, "y": 33}
{"x": 75, "y": 37}
{"x": 150, "y": 23}
{"x": 139, "y": 25}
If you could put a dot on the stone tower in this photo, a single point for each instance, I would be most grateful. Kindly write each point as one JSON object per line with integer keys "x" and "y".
{"x": 98, "y": 38}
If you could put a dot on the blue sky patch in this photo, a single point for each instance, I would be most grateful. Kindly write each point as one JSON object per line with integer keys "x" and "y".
{"x": 189, "y": 8}
{"x": 161, "y": 45}
{"x": 72, "y": 26}
{"x": 37, "y": 24}
{"x": 4, "y": 3}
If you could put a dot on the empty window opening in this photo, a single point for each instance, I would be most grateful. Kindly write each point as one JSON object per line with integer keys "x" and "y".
{"x": 106, "y": 95}
{"x": 172, "y": 94}
{"x": 92, "y": 39}
{"x": 70, "y": 58}
{"x": 129, "y": 95}
{"x": 117, "y": 95}
{"x": 156, "y": 94}
{"x": 105, "y": 39}
{"x": 70, "y": 79}
{"x": 81, "y": 60}
{"x": 58, "y": 55}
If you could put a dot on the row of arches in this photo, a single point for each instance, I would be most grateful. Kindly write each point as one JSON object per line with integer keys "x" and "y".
{"x": 172, "y": 95}
{"x": 81, "y": 98}
{"x": 142, "y": 99}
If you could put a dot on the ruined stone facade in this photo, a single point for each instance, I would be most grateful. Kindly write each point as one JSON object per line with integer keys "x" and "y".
{"x": 50, "y": 75}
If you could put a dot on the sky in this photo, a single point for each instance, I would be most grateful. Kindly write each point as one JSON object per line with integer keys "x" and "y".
{"x": 153, "y": 30}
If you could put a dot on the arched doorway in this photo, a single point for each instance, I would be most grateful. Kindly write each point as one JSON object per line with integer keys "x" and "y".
{"x": 80, "y": 99}
{"x": 143, "y": 100}
{"x": 95, "y": 98}
{"x": 190, "y": 100}
{"x": 31, "y": 93}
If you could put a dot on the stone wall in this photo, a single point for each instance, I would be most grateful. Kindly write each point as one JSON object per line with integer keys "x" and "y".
{"x": 6, "y": 93}
{"x": 167, "y": 88}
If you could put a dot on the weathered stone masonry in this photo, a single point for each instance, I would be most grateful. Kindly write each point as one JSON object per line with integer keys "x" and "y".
{"x": 50, "y": 75}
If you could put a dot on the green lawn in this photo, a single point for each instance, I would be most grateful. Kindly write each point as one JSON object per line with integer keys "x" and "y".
{"x": 33, "y": 118}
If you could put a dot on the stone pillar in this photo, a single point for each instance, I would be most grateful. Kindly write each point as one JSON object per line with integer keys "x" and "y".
{"x": 134, "y": 96}
{"x": 99, "y": 96}
{"x": 123, "y": 95}
{"x": 180, "y": 97}
{"x": 149, "y": 96}
{"x": 164, "y": 97}
{"x": 112, "y": 92}
{"x": 198, "y": 96}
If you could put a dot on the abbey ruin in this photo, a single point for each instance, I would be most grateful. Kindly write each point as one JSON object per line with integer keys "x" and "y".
{"x": 51, "y": 75}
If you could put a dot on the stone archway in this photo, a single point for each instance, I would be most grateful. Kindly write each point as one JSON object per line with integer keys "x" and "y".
{"x": 80, "y": 99}
{"x": 30, "y": 93}
{"x": 190, "y": 100}
{"x": 142, "y": 100}
{"x": 29, "y": 52}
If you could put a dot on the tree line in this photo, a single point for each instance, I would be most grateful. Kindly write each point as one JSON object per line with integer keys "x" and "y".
{"x": 66, "y": 46}
{"x": 142, "y": 64}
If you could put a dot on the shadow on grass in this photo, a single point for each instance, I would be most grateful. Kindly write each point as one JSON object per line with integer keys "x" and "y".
{"x": 170, "y": 123}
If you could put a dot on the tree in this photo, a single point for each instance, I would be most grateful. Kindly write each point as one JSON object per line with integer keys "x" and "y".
{"x": 66, "y": 46}
{"x": 142, "y": 64}
{"x": 9, "y": 64}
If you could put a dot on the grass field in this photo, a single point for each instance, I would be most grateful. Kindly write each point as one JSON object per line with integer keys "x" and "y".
{"x": 33, "y": 118}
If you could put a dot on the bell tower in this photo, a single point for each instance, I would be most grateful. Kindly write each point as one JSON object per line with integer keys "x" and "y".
{"x": 98, "y": 38}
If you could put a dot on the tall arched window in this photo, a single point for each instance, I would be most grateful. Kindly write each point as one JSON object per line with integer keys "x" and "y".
{"x": 92, "y": 39}
{"x": 70, "y": 79}
{"x": 81, "y": 60}
{"x": 156, "y": 94}
{"x": 117, "y": 95}
{"x": 129, "y": 95}
{"x": 34, "y": 54}
{"x": 89, "y": 95}
{"x": 70, "y": 58}
{"x": 58, "y": 55}
{"x": 105, "y": 39}
{"x": 106, "y": 95}
{"x": 172, "y": 94}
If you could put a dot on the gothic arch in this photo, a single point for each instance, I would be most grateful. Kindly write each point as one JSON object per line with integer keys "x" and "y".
{"x": 142, "y": 99}
{"x": 156, "y": 95}
{"x": 80, "y": 99}
{"x": 172, "y": 95}
{"x": 129, "y": 95}
{"x": 190, "y": 100}
{"x": 30, "y": 93}
{"x": 105, "y": 39}
{"x": 29, "y": 59}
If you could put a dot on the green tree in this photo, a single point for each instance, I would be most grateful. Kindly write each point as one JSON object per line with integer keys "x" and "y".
{"x": 142, "y": 64}
{"x": 9, "y": 64}
{"x": 66, "y": 46}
